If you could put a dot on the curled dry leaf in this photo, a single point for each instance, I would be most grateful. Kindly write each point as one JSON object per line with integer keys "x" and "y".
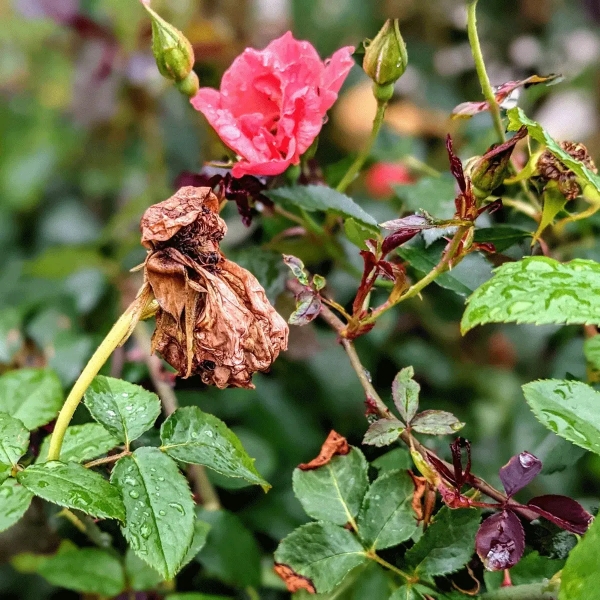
{"x": 334, "y": 444}
{"x": 214, "y": 318}
{"x": 293, "y": 581}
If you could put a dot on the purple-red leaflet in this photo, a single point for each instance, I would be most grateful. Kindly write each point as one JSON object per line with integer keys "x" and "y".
{"x": 519, "y": 471}
{"x": 500, "y": 541}
{"x": 563, "y": 511}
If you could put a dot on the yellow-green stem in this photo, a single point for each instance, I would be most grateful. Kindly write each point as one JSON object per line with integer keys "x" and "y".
{"x": 362, "y": 156}
{"x": 486, "y": 86}
{"x": 111, "y": 341}
{"x": 393, "y": 568}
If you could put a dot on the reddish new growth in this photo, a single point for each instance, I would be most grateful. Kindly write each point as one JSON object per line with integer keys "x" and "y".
{"x": 214, "y": 318}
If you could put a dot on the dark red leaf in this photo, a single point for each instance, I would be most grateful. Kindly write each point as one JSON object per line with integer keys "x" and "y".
{"x": 468, "y": 109}
{"x": 519, "y": 471}
{"x": 441, "y": 468}
{"x": 456, "y": 167}
{"x": 461, "y": 477}
{"x": 563, "y": 511}
{"x": 500, "y": 541}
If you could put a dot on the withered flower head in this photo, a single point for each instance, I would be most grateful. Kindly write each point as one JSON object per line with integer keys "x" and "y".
{"x": 214, "y": 318}
{"x": 551, "y": 168}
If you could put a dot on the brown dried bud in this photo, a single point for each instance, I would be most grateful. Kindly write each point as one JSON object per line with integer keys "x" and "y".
{"x": 214, "y": 318}
{"x": 551, "y": 168}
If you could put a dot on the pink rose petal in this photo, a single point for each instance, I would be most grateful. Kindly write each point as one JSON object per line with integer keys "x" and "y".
{"x": 272, "y": 103}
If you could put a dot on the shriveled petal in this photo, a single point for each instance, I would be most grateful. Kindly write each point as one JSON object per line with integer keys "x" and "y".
{"x": 162, "y": 221}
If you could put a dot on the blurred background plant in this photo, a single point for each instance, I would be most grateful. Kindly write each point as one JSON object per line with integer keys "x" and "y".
{"x": 91, "y": 135}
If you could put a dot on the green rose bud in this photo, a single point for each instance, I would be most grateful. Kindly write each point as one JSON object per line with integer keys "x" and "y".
{"x": 487, "y": 172}
{"x": 385, "y": 57}
{"x": 174, "y": 54}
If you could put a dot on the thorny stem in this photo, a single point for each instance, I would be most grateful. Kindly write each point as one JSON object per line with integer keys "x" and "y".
{"x": 484, "y": 80}
{"x": 362, "y": 156}
{"x": 196, "y": 473}
{"x": 371, "y": 393}
{"x": 106, "y": 459}
{"x": 114, "y": 338}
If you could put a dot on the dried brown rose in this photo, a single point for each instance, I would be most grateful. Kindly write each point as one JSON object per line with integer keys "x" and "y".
{"x": 214, "y": 318}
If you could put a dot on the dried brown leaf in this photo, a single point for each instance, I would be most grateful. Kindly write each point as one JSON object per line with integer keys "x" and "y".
{"x": 293, "y": 580}
{"x": 335, "y": 444}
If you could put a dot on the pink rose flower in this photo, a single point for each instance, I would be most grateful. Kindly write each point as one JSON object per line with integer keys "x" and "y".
{"x": 272, "y": 103}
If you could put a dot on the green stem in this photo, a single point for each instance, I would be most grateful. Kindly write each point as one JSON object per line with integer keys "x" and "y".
{"x": 486, "y": 86}
{"x": 391, "y": 567}
{"x": 531, "y": 591}
{"x": 362, "y": 156}
{"x": 115, "y": 337}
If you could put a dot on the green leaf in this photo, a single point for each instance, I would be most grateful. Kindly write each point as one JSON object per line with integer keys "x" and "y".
{"x": 59, "y": 262}
{"x": 432, "y": 194}
{"x": 193, "y": 436}
{"x": 383, "y": 432}
{"x": 123, "y": 408}
{"x": 266, "y": 266}
{"x": 357, "y": 234}
{"x": 14, "y": 440}
{"x": 322, "y": 552}
{"x": 81, "y": 443}
{"x": 201, "y": 529}
{"x": 557, "y": 454}
{"x": 405, "y": 392}
{"x": 591, "y": 349}
{"x": 537, "y": 290}
{"x": 333, "y": 492}
{"x": 463, "y": 279}
{"x": 322, "y": 198}
{"x": 160, "y": 518}
{"x": 580, "y": 578}
{"x": 502, "y": 236}
{"x": 553, "y": 203}
{"x": 14, "y": 501}
{"x": 517, "y": 118}
{"x": 387, "y": 517}
{"x": 398, "y": 458}
{"x": 447, "y": 544}
{"x": 532, "y": 568}
{"x": 34, "y": 396}
{"x": 87, "y": 570}
{"x": 74, "y": 486}
{"x": 436, "y": 422}
{"x": 11, "y": 338}
{"x": 140, "y": 575}
{"x": 195, "y": 596}
{"x": 231, "y": 553}
{"x": 406, "y": 592}
{"x": 568, "y": 408}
